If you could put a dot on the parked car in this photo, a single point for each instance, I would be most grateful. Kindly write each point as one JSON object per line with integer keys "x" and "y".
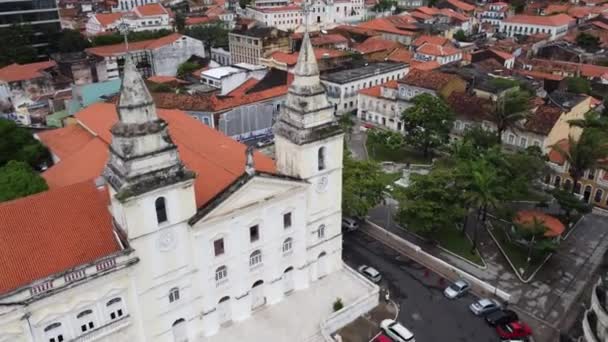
{"x": 457, "y": 289}
{"x": 350, "y": 223}
{"x": 501, "y": 317}
{"x": 382, "y": 338}
{"x": 264, "y": 142}
{"x": 396, "y": 331}
{"x": 370, "y": 273}
{"x": 484, "y": 307}
{"x": 513, "y": 330}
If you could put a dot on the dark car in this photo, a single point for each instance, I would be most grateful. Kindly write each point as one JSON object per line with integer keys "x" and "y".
{"x": 501, "y": 317}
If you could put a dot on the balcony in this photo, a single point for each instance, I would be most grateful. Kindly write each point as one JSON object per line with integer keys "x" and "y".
{"x": 105, "y": 330}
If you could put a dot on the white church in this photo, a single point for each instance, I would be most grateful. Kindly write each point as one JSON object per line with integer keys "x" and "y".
{"x": 187, "y": 235}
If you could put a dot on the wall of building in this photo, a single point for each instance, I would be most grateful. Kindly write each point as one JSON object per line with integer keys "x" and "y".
{"x": 562, "y": 129}
{"x": 167, "y": 59}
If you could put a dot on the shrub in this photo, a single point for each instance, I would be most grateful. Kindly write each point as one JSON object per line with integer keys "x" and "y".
{"x": 338, "y": 305}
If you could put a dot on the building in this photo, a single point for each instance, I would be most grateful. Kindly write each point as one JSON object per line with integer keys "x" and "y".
{"x": 161, "y": 56}
{"x": 42, "y": 15}
{"x": 342, "y": 86}
{"x": 248, "y": 44}
{"x": 229, "y": 78}
{"x": 149, "y": 17}
{"x": 327, "y": 59}
{"x": 442, "y": 54}
{"x": 221, "y": 56}
{"x": 554, "y": 26}
{"x": 128, "y": 5}
{"x": 188, "y": 231}
{"x": 493, "y": 13}
{"x": 397, "y": 28}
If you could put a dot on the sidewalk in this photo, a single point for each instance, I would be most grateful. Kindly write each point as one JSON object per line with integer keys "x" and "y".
{"x": 556, "y": 287}
{"x": 364, "y": 328}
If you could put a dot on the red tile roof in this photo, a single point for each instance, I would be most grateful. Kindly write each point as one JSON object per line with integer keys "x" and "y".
{"x": 216, "y": 159}
{"x": 149, "y": 10}
{"x": 433, "y": 80}
{"x": 164, "y": 79}
{"x": 328, "y": 39}
{"x": 425, "y": 66}
{"x": 437, "y": 40}
{"x": 400, "y": 25}
{"x": 502, "y": 54}
{"x": 291, "y": 58}
{"x": 552, "y": 20}
{"x": 543, "y": 120}
{"x": 54, "y": 231}
{"x": 471, "y": 107}
{"x": 376, "y": 91}
{"x": 65, "y": 141}
{"x": 401, "y": 55}
{"x": 190, "y": 21}
{"x": 556, "y": 157}
{"x": 119, "y": 49}
{"x": 106, "y": 19}
{"x": 437, "y": 50}
{"x": 21, "y": 72}
{"x": 462, "y": 5}
{"x": 376, "y": 44}
{"x": 554, "y": 226}
{"x": 541, "y": 75}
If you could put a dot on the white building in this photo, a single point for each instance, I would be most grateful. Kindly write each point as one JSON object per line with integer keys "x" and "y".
{"x": 127, "y": 5}
{"x": 554, "y": 25}
{"x": 343, "y": 86}
{"x": 186, "y": 236}
{"x": 221, "y": 56}
{"x": 443, "y": 54}
{"x": 228, "y": 78}
{"x": 493, "y": 13}
{"x": 160, "y": 56}
{"x": 150, "y": 17}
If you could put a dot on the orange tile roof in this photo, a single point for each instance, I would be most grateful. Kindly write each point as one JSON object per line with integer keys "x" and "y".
{"x": 437, "y": 50}
{"x": 65, "y": 141}
{"x": 216, "y": 159}
{"x": 554, "y": 226}
{"x": 106, "y": 19}
{"x": 151, "y": 10}
{"x": 401, "y": 55}
{"x": 164, "y": 79}
{"x": 551, "y": 20}
{"x": 502, "y": 54}
{"x": 376, "y": 91}
{"x": 556, "y": 157}
{"x": 557, "y": 8}
{"x": 400, "y": 25}
{"x": 543, "y": 119}
{"x": 376, "y": 44}
{"x": 425, "y": 66}
{"x": 200, "y": 20}
{"x": 53, "y": 231}
{"x": 291, "y": 58}
{"x": 21, "y": 72}
{"x": 433, "y": 80}
{"x": 119, "y": 49}
{"x": 437, "y": 40}
{"x": 461, "y": 5}
{"x": 328, "y": 39}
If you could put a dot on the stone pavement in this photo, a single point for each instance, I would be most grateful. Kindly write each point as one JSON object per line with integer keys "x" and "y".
{"x": 356, "y": 142}
{"x": 553, "y": 290}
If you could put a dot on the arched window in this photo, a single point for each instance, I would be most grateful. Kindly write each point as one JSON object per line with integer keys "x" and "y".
{"x": 255, "y": 258}
{"x": 115, "y": 308}
{"x": 54, "y": 332}
{"x": 598, "y": 195}
{"x": 321, "y": 158}
{"x": 558, "y": 181}
{"x": 567, "y": 185}
{"x": 587, "y": 193}
{"x": 161, "y": 210}
{"x": 577, "y": 188}
{"x": 287, "y": 245}
{"x": 321, "y": 231}
{"x": 547, "y": 179}
{"x": 85, "y": 319}
{"x": 173, "y": 294}
{"x": 221, "y": 273}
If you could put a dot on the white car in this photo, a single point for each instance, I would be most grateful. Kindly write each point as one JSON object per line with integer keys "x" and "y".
{"x": 459, "y": 288}
{"x": 484, "y": 307}
{"x": 370, "y": 273}
{"x": 396, "y": 331}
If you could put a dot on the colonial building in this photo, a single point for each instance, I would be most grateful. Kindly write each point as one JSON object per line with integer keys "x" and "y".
{"x": 149, "y": 17}
{"x": 526, "y": 25}
{"x": 127, "y": 5}
{"x": 250, "y": 43}
{"x": 187, "y": 230}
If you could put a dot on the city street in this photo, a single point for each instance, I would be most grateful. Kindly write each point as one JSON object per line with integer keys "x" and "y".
{"x": 419, "y": 294}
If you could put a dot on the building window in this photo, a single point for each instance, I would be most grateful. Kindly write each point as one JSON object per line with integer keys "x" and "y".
{"x": 287, "y": 244}
{"x": 598, "y": 195}
{"x": 321, "y": 158}
{"x": 567, "y": 185}
{"x": 53, "y": 333}
{"x": 558, "y": 181}
{"x": 218, "y": 247}
{"x": 86, "y": 320}
{"x": 511, "y": 139}
{"x": 161, "y": 210}
{"x": 523, "y": 142}
{"x": 286, "y": 220}
{"x": 321, "y": 231}
{"x": 255, "y": 258}
{"x": 173, "y": 295}
{"x": 115, "y": 308}
{"x": 254, "y": 233}
{"x": 221, "y": 273}
{"x": 577, "y": 188}
{"x": 591, "y": 174}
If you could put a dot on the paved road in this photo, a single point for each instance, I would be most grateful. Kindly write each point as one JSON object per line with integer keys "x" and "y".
{"x": 418, "y": 292}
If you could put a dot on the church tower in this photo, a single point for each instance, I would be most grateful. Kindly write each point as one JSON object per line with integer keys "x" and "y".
{"x": 309, "y": 145}
{"x": 152, "y": 199}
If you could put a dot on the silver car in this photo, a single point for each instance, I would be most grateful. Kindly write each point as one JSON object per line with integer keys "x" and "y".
{"x": 370, "y": 273}
{"x": 459, "y": 288}
{"x": 484, "y": 307}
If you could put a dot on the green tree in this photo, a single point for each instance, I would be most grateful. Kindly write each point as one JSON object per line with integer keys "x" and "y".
{"x": 180, "y": 23}
{"x": 17, "y": 143}
{"x": 461, "y": 36}
{"x": 511, "y": 108}
{"x": 583, "y": 154}
{"x": 430, "y": 203}
{"x": 592, "y": 121}
{"x": 70, "y": 41}
{"x": 533, "y": 233}
{"x": 389, "y": 139}
{"x": 569, "y": 203}
{"x": 16, "y": 42}
{"x": 481, "y": 139}
{"x": 213, "y": 35}
{"x": 578, "y": 85}
{"x": 587, "y": 41}
{"x": 362, "y": 186}
{"x": 17, "y": 179}
{"x": 186, "y": 69}
{"x": 427, "y": 123}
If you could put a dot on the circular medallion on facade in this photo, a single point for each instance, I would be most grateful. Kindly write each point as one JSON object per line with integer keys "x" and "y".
{"x": 166, "y": 241}
{"x": 322, "y": 184}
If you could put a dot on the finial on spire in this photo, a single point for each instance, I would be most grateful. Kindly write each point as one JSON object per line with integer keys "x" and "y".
{"x": 249, "y": 162}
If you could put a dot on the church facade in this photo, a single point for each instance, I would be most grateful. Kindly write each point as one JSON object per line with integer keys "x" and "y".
{"x": 186, "y": 231}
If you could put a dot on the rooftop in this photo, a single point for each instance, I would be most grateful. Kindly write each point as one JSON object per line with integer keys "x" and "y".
{"x": 120, "y": 49}
{"x": 221, "y": 72}
{"x": 437, "y": 50}
{"x": 543, "y": 119}
{"x": 21, "y": 72}
{"x": 433, "y": 80}
{"x": 376, "y": 44}
{"x": 260, "y": 32}
{"x": 350, "y": 75}
{"x": 551, "y": 20}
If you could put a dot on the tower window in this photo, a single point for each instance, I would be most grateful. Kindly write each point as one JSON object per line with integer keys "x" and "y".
{"x": 286, "y": 220}
{"x": 173, "y": 295}
{"x": 321, "y": 232}
{"x": 218, "y": 247}
{"x": 254, "y": 233}
{"x": 161, "y": 210}
{"x": 321, "y": 158}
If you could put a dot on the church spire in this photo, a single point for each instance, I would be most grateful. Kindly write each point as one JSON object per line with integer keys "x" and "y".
{"x": 142, "y": 155}
{"x": 307, "y": 63}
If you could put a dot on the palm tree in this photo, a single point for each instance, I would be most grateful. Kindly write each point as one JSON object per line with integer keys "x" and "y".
{"x": 511, "y": 108}
{"x": 586, "y": 153}
{"x": 482, "y": 191}
{"x": 592, "y": 121}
